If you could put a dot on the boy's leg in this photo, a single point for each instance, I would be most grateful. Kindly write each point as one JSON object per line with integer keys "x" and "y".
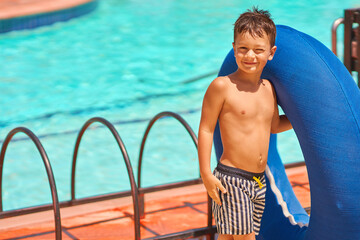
{"x": 225, "y": 237}
{"x": 250, "y": 236}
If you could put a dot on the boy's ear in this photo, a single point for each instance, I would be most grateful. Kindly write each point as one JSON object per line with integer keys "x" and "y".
{"x": 233, "y": 44}
{"x": 272, "y": 53}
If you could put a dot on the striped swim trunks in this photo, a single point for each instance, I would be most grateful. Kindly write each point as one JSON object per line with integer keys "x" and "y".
{"x": 243, "y": 204}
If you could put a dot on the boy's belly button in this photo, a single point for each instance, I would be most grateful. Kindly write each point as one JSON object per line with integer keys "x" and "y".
{"x": 260, "y": 159}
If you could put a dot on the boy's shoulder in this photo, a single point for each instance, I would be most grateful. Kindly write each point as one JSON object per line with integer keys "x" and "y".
{"x": 218, "y": 87}
{"x": 220, "y": 82}
{"x": 268, "y": 84}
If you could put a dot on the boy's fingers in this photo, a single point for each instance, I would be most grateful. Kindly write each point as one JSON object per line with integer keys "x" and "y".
{"x": 221, "y": 187}
{"x": 216, "y": 198}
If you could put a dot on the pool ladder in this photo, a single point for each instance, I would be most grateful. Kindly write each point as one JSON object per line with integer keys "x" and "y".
{"x": 351, "y": 23}
{"x": 136, "y": 192}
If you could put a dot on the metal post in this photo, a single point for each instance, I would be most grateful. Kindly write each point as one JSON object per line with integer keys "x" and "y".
{"x": 212, "y": 235}
{"x": 356, "y": 44}
{"x": 134, "y": 189}
{"x": 151, "y": 123}
{"x": 334, "y": 28}
{"x": 352, "y": 40}
{"x": 348, "y": 39}
{"x": 48, "y": 169}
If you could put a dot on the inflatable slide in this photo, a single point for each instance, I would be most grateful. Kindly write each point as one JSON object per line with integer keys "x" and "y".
{"x": 322, "y": 101}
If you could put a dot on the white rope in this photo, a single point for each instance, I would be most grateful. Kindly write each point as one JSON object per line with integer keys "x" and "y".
{"x": 280, "y": 199}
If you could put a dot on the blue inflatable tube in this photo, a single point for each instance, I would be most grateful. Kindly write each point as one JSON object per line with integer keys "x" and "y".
{"x": 322, "y": 101}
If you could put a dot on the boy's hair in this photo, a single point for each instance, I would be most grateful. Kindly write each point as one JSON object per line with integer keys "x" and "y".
{"x": 256, "y": 22}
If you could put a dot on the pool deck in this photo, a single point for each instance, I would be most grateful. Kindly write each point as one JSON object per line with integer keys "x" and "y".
{"x": 19, "y": 8}
{"x": 166, "y": 212}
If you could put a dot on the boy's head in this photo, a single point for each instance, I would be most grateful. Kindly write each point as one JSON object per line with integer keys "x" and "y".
{"x": 256, "y": 23}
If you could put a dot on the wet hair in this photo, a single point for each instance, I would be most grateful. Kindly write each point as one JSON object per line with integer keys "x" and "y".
{"x": 256, "y": 22}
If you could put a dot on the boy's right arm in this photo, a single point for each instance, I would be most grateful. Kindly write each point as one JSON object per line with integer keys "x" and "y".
{"x": 212, "y": 104}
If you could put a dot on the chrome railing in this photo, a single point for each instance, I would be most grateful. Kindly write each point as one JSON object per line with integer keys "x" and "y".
{"x": 55, "y": 200}
{"x": 135, "y": 191}
{"x": 351, "y": 43}
{"x": 334, "y": 28}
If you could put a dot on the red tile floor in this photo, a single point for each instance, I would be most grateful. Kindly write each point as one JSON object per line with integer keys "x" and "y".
{"x": 166, "y": 212}
{"x": 17, "y": 8}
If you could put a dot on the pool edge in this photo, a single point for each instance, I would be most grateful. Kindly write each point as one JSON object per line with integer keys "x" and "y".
{"x": 46, "y": 18}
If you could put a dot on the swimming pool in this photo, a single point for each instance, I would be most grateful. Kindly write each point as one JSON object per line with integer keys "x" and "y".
{"x": 126, "y": 61}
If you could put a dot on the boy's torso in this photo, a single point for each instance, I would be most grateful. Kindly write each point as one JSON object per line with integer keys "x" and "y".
{"x": 245, "y": 124}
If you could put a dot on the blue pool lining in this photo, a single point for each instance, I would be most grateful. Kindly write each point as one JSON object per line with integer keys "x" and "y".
{"x": 120, "y": 122}
{"x": 43, "y": 19}
{"x": 122, "y": 104}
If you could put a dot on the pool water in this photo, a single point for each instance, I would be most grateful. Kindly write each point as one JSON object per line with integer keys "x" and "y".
{"x": 126, "y": 62}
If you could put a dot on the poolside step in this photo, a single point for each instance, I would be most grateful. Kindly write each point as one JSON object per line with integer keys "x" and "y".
{"x": 18, "y": 8}
{"x": 166, "y": 211}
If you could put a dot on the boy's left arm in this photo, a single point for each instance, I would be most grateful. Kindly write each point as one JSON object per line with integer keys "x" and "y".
{"x": 279, "y": 123}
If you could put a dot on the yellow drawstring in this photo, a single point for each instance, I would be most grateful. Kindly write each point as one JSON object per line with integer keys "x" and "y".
{"x": 258, "y": 181}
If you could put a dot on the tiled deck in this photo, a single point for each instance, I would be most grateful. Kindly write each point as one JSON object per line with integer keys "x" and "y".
{"x": 28, "y": 14}
{"x": 166, "y": 212}
{"x": 18, "y": 8}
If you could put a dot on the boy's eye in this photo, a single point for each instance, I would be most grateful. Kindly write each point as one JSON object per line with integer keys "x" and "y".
{"x": 259, "y": 50}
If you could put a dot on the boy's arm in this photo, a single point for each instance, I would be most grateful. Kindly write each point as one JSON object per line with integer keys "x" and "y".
{"x": 212, "y": 105}
{"x": 279, "y": 123}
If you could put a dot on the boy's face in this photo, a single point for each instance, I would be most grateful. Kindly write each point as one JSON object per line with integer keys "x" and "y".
{"x": 252, "y": 53}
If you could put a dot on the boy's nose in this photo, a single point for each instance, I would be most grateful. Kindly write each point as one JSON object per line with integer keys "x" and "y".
{"x": 250, "y": 53}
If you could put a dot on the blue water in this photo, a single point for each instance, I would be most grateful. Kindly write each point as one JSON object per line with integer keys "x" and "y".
{"x": 126, "y": 61}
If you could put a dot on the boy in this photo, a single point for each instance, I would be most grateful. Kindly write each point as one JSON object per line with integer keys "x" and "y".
{"x": 246, "y": 108}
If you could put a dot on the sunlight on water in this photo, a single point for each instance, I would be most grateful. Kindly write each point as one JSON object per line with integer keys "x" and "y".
{"x": 126, "y": 61}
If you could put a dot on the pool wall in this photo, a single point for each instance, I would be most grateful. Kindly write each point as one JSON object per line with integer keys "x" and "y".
{"x": 42, "y": 19}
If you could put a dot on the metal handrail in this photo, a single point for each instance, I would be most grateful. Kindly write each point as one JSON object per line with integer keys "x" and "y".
{"x": 186, "y": 234}
{"x": 195, "y": 140}
{"x": 334, "y": 28}
{"x": 209, "y": 230}
{"x": 49, "y": 172}
{"x": 134, "y": 189}
{"x": 151, "y": 123}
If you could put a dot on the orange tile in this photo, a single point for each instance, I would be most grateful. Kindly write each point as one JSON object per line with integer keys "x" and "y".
{"x": 17, "y": 8}
{"x": 299, "y": 180}
{"x": 165, "y": 213}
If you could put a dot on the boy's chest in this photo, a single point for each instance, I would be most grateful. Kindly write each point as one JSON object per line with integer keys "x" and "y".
{"x": 253, "y": 105}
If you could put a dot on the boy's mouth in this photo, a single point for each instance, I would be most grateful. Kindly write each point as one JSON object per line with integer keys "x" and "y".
{"x": 250, "y": 63}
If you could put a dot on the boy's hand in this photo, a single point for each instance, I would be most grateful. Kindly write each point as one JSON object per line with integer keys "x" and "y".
{"x": 212, "y": 184}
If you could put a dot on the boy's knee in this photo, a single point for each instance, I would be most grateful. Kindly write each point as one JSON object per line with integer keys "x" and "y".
{"x": 225, "y": 237}
{"x": 250, "y": 236}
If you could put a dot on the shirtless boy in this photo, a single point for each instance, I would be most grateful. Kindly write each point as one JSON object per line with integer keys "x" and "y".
{"x": 245, "y": 106}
